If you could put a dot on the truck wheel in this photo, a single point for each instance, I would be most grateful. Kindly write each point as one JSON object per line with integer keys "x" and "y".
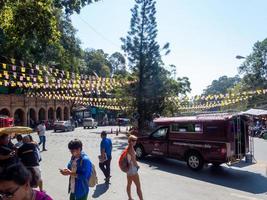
{"x": 195, "y": 161}
{"x": 140, "y": 153}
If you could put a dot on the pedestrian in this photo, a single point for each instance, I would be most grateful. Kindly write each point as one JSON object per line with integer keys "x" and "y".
{"x": 105, "y": 155}
{"x": 41, "y": 132}
{"x": 7, "y": 152}
{"x": 19, "y": 141}
{"x": 28, "y": 154}
{"x": 79, "y": 170}
{"x": 15, "y": 184}
{"x": 132, "y": 173}
{"x": 37, "y": 147}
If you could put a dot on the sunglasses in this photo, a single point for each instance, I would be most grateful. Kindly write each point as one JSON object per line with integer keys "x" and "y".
{"x": 8, "y": 195}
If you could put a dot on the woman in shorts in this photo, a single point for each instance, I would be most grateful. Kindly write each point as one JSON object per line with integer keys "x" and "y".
{"x": 132, "y": 173}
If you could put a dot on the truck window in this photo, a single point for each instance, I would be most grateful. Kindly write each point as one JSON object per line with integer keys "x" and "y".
{"x": 160, "y": 133}
{"x": 187, "y": 128}
{"x": 212, "y": 129}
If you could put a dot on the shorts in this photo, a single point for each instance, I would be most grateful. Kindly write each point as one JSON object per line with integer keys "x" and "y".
{"x": 133, "y": 170}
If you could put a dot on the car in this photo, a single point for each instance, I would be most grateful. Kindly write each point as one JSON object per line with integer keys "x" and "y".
{"x": 216, "y": 139}
{"x": 89, "y": 123}
{"x": 64, "y": 126}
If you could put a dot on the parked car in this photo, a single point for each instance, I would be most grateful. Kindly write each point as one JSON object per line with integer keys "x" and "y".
{"x": 198, "y": 140}
{"x": 64, "y": 126}
{"x": 89, "y": 123}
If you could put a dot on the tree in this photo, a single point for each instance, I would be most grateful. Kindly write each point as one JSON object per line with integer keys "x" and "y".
{"x": 118, "y": 63}
{"x": 31, "y": 33}
{"x": 96, "y": 62}
{"x": 222, "y": 85}
{"x": 72, "y": 6}
{"x": 255, "y": 67}
{"x": 144, "y": 57}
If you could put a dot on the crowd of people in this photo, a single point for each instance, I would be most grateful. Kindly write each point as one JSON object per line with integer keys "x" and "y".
{"x": 20, "y": 174}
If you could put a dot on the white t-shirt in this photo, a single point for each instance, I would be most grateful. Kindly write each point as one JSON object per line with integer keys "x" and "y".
{"x": 41, "y": 128}
{"x": 72, "y": 178}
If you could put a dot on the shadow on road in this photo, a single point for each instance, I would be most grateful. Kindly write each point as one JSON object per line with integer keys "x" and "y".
{"x": 228, "y": 177}
{"x": 100, "y": 189}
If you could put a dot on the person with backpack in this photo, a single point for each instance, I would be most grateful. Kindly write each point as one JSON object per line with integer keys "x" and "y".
{"x": 105, "y": 155}
{"x": 79, "y": 170}
{"x": 132, "y": 168}
{"x": 29, "y": 156}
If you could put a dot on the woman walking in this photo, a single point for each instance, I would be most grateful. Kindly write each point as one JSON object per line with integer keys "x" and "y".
{"x": 132, "y": 173}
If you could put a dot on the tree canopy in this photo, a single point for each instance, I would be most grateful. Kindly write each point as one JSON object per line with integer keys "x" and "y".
{"x": 222, "y": 85}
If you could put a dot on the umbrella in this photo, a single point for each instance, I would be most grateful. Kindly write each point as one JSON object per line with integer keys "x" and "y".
{"x": 15, "y": 130}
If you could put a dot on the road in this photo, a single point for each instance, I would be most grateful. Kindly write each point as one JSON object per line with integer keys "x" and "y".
{"x": 161, "y": 178}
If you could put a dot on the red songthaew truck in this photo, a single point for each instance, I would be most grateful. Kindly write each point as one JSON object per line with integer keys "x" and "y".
{"x": 210, "y": 138}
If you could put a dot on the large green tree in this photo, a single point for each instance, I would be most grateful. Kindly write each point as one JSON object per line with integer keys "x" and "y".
{"x": 40, "y": 31}
{"x": 144, "y": 55}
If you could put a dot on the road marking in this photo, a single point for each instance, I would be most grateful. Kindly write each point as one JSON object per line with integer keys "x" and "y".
{"x": 244, "y": 197}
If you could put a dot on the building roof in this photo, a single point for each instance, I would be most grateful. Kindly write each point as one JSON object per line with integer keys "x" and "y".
{"x": 255, "y": 112}
{"x": 202, "y": 117}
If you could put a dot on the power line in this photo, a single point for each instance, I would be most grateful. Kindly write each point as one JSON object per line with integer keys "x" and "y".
{"x": 98, "y": 33}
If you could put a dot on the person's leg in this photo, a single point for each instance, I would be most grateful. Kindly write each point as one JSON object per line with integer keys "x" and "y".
{"x": 44, "y": 141}
{"x": 72, "y": 197}
{"x": 40, "y": 140}
{"x": 108, "y": 167}
{"x": 136, "y": 181}
{"x": 102, "y": 167}
{"x": 128, "y": 189}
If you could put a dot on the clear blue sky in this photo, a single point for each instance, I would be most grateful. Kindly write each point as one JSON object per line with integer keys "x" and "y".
{"x": 205, "y": 35}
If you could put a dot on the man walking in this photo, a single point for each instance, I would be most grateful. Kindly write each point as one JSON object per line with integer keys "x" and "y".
{"x": 79, "y": 169}
{"x": 105, "y": 155}
{"x": 41, "y": 132}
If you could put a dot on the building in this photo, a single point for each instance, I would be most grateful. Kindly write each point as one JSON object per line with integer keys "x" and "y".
{"x": 31, "y": 110}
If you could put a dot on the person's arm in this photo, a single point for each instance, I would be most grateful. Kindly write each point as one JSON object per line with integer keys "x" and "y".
{"x": 102, "y": 147}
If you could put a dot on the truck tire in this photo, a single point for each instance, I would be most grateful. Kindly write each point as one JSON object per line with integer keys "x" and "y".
{"x": 194, "y": 161}
{"x": 140, "y": 152}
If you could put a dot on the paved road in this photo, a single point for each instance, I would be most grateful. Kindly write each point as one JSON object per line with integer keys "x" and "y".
{"x": 161, "y": 178}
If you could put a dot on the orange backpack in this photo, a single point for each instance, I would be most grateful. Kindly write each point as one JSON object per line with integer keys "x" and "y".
{"x": 123, "y": 161}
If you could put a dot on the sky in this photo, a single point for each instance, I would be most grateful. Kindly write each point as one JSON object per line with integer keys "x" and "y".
{"x": 204, "y": 35}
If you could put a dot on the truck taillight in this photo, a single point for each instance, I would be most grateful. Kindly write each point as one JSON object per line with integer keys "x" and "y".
{"x": 223, "y": 151}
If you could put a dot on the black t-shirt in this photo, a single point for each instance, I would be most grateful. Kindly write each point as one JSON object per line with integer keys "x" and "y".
{"x": 4, "y": 151}
{"x": 28, "y": 155}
